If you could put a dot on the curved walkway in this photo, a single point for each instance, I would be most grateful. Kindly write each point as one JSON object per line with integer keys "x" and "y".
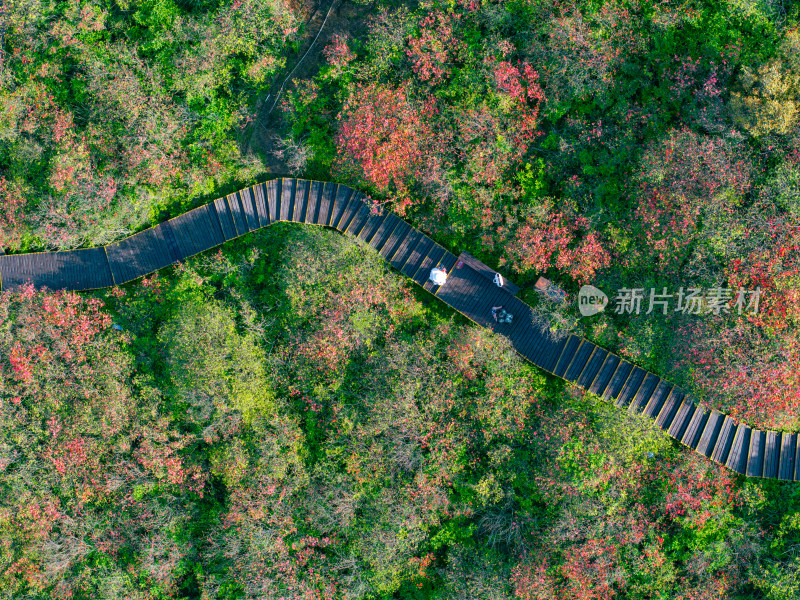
{"x": 469, "y": 289}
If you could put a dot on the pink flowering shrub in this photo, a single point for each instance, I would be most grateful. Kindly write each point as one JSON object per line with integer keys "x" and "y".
{"x": 682, "y": 179}
{"x": 432, "y": 51}
{"x": 382, "y": 139}
{"x": 558, "y": 241}
{"x": 339, "y": 54}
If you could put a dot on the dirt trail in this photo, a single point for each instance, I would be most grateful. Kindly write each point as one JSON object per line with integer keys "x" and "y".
{"x": 344, "y": 17}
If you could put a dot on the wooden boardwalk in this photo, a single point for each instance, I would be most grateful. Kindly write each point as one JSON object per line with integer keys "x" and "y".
{"x": 469, "y": 289}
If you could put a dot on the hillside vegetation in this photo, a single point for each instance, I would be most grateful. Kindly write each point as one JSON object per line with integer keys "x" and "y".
{"x": 286, "y": 418}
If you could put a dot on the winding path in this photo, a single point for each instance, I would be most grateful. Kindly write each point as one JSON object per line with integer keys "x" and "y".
{"x": 469, "y": 289}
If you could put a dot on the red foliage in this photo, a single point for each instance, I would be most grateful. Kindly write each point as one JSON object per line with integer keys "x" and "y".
{"x": 696, "y": 490}
{"x": 382, "y": 138}
{"x": 682, "y": 179}
{"x": 494, "y": 135}
{"x": 432, "y": 51}
{"x": 13, "y": 206}
{"x": 750, "y": 363}
{"x": 557, "y": 241}
{"x": 338, "y": 52}
{"x": 590, "y": 570}
{"x": 532, "y": 580}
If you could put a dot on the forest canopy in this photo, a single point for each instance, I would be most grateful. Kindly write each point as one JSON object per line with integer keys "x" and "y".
{"x": 285, "y": 417}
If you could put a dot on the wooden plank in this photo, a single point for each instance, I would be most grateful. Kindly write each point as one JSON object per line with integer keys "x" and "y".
{"x": 404, "y": 251}
{"x": 432, "y": 259}
{"x": 669, "y": 408}
{"x": 215, "y": 223}
{"x": 737, "y": 459}
{"x": 491, "y": 298}
{"x": 618, "y": 381}
{"x": 797, "y": 464}
{"x": 301, "y": 201}
{"x": 755, "y": 461}
{"x": 644, "y": 393}
{"x": 487, "y": 272}
{"x": 458, "y": 292}
{"x": 534, "y": 340}
{"x": 472, "y": 291}
{"x": 575, "y": 368}
{"x": 788, "y": 452}
{"x": 658, "y": 400}
{"x": 262, "y": 209}
{"x": 326, "y": 203}
{"x": 453, "y": 290}
{"x": 523, "y": 337}
{"x": 225, "y": 218}
{"x": 247, "y": 198}
{"x": 417, "y": 256}
{"x": 171, "y": 242}
{"x": 603, "y": 378}
{"x": 772, "y": 454}
{"x": 384, "y": 233}
{"x": 497, "y": 297}
{"x": 41, "y": 269}
{"x": 691, "y": 437}
{"x": 543, "y": 347}
{"x": 682, "y": 418}
{"x": 710, "y": 433}
{"x": 118, "y": 263}
{"x": 437, "y": 262}
{"x": 83, "y": 269}
{"x": 448, "y": 262}
{"x": 592, "y": 368}
{"x": 481, "y": 302}
{"x": 353, "y": 210}
{"x": 358, "y": 220}
{"x": 274, "y": 199}
{"x": 397, "y": 250}
{"x": 572, "y": 345}
{"x": 138, "y": 255}
{"x": 367, "y": 227}
{"x": 67, "y": 274}
{"x": 237, "y": 212}
{"x": 550, "y": 350}
{"x": 288, "y": 187}
{"x": 373, "y": 224}
{"x": 422, "y": 273}
{"x": 342, "y": 200}
{"x": 197, "y": 230}
{"x": 545, "y": 352}
{"x": 314, "y": 202}
{"x": 725, "y": 441}
{"x": 631, "y": 386}
{"x": 396, "y": 240}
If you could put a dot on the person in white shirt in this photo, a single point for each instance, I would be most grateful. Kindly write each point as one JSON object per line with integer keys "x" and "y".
{"x": 438, "y": 275}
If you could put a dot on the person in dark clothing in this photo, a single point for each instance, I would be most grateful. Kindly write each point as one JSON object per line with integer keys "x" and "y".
{"x": 501, "y": 315}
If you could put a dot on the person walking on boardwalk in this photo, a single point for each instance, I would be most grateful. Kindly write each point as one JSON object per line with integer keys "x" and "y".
{"x": 501, "y": 315}
{"x": 438, "y": 275}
